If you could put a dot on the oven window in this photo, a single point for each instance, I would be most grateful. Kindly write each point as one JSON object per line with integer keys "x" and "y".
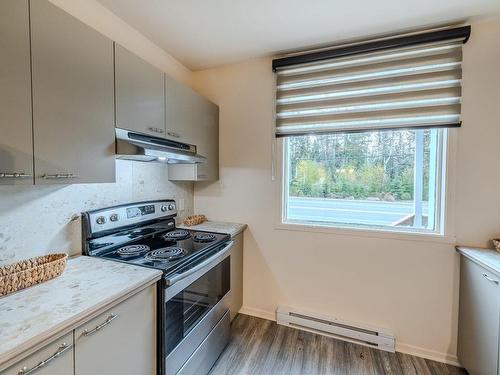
{"x": 186, "y": 309}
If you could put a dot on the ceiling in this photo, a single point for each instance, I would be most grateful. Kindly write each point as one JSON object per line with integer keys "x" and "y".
{"x": 208, "y": 33}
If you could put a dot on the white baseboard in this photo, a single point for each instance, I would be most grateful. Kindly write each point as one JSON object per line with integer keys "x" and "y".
{"x": 428, "y": 354}
{"x": 400, "y": 347}
{"x": 258, "y": 313}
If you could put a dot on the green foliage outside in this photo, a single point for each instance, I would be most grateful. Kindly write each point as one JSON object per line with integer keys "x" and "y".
{"x": 355, "y": 166}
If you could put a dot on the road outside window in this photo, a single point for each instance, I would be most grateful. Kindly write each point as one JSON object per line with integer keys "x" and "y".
{"x": 379, "y": 179}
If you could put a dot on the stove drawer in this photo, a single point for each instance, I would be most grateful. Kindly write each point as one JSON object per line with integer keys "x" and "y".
{"x": 210, "y": 349}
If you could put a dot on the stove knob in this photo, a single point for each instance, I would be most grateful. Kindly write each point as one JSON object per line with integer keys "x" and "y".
{"x": 100, "y": 220}
{"x": 163, "y": 208}
{"x": 114, "y": 217}
{"x": 171, "y": 206}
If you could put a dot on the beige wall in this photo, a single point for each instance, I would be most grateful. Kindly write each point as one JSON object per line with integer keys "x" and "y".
{"x": 407, "y": 286}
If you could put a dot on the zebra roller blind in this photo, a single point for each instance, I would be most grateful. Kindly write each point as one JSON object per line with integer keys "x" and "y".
{"x": 387, "y": 85}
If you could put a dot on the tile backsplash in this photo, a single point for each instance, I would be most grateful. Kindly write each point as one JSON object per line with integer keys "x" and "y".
{"x": 36, "y": 220}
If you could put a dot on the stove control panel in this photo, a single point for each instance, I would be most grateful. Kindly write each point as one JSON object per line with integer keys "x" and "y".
{"x": 112, "y": 218}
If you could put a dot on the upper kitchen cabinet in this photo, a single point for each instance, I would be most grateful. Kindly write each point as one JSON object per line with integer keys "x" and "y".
{"x": 140, "y": 93}
{"x": 181, "y": 103}
{"x": 16, "y": 145}
{"x": 72, "y": 83}
{"x": 193, "y": 119}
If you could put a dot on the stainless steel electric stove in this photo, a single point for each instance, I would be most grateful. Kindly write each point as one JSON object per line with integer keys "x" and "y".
{"x": 193, "y": 312}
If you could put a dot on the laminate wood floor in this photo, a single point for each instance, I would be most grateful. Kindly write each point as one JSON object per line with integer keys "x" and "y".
{"x": 261, "y": 347}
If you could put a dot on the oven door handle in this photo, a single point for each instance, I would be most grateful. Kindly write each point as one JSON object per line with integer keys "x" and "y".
{"x": 206, "y": 265}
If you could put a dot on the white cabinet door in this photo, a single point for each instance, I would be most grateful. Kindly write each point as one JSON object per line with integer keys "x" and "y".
{"x": 16, "y": 146}
{"x": 122, "y": 341}
{"x": 73, "y": 127}
{"x": 479, "y": 319}
{"x": 140, "y": 93}
{"x": 54, "y": 359}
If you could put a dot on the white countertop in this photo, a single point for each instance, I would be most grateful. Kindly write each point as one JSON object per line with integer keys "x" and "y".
{"x": 232, "y": 229}
{"x": 33, "y": 315}
{"x": 487, "y": 258}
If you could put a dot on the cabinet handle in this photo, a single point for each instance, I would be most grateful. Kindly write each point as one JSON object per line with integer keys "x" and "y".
{"x": 110, "y": 318}
{"x": 59, "y": 176}
{"x": 172, "y": 134}
{"x": 490, "y": 279}
{"x": 15, "y": 175}
{"x": 62, "y": 348}
{"x": 157, "y": 130}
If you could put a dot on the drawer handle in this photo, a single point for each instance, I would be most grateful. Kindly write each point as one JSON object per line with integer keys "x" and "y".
{"x": 14, "y": 175}
{"x": 490, "y": 279}
{"x": 110, "y": 318}
{"x": 157, "y": 130}
{"x": 59, "y": 176}
{"x": 62, "y": 348}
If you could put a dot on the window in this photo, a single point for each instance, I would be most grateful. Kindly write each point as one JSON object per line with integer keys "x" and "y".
{"x": 365, "y": 128}
{"x": 390, "y": 179}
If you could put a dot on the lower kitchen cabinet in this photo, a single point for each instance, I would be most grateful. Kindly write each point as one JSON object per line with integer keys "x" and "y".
{"x": 236, "y": 300}
{"x": 54, "y": 359}
{"x": 121, "y": 341}
{"x": 479, "y": 319}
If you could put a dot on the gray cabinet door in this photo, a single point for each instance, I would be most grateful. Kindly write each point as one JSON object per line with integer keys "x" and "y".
{"x": 479, "y": 319}
{"x": 16, "y": 146}
{"x": 58, "y": 358}
{"x": 140, "y": 103}
{"x": 72, "y": 67}
{"x": 207, "y": 141}
{"x": 181, "y": 104}
{"x": 236, "y": 301}
{"x": 193, "y": 119}
{"x": 121, "y": 341}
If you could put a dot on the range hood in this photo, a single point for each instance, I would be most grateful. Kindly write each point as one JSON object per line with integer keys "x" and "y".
{"x": 136, "y": 146}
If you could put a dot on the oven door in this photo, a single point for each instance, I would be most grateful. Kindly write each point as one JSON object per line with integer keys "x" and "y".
{"x": 196, "y": 300}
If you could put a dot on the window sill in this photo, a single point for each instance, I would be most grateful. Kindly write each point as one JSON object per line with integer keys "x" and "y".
{"x": 367, "y": 232}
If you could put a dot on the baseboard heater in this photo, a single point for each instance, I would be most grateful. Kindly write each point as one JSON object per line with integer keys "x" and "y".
{"x": 378, "y": 338}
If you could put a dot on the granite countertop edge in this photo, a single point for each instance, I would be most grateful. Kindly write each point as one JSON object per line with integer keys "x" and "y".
{"x": 52, "y": 332}
{"x": 233, "y": 229}
{"x": 487, "y": 258}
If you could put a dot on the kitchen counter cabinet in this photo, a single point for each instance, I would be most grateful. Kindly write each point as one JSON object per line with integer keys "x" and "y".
{"x": 236, "y": 300}
{"x": 121, "y": 341}
{"x": 479, "y": 312}
{"x": 88, "y": 288}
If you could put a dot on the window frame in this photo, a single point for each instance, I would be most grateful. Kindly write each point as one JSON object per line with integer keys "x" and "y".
{"x": 445, "y": 211}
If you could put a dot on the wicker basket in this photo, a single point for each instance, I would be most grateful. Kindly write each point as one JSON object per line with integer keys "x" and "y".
{"x": 31, "y": 271}
{"x": 496, "y": 243}
{"x": 194, "y": 220}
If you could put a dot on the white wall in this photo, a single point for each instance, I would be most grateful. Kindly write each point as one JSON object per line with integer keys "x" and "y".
{"x": 408, "y": 286}
{"x": 36, "y": 220}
